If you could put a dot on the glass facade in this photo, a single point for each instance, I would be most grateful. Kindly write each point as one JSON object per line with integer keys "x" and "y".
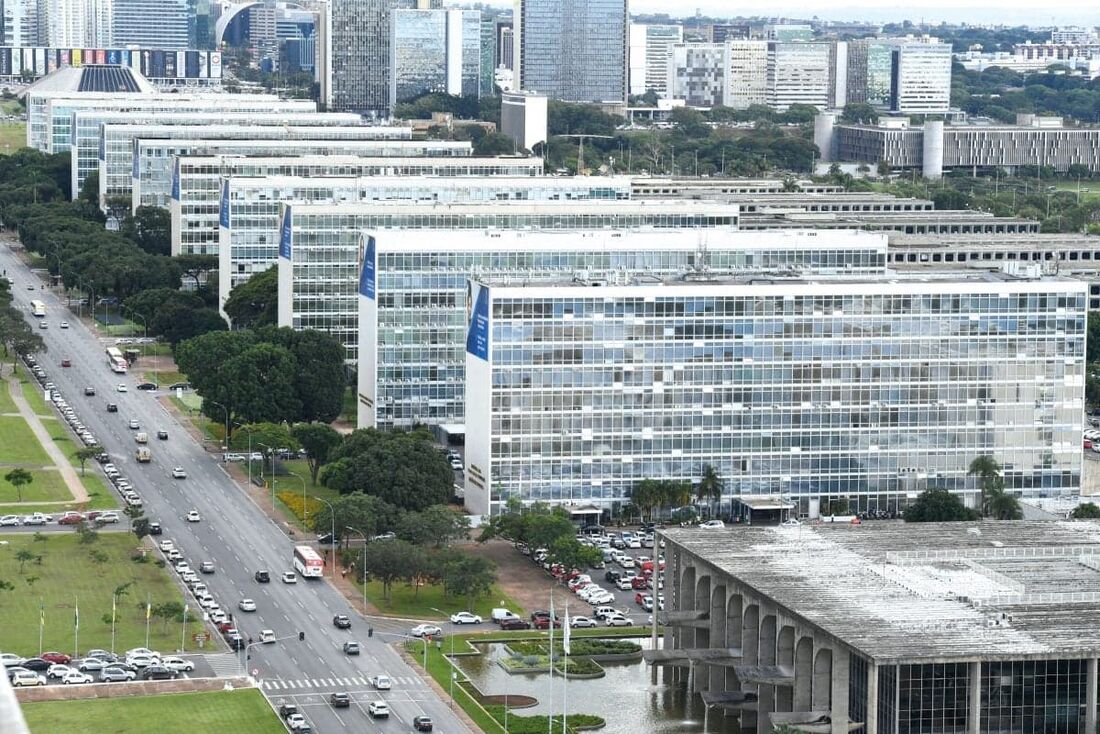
{"x": 416, "y": 341}
{"x": 359, "y": 37}
{"x": 933, "y": 697}
{"x": 831, "y": 389}
{"x": 435, "y": 51}
{"x": 1033, "y": 696}
{"x": 573, "y": 50}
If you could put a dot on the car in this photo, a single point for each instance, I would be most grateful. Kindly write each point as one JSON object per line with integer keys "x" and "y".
{"x": 166, "y": 545}
{"x": 10, "y": 659}
{"x": 155, "y": 528}
{"x": 425, "y": 630}
{"x": 143, "y": 661}
{"x": 57, "y": 670}
{"x": 287, "y": 709}
{"x": 141, "y": 651}
{"x": 36, "y": 518}
{"x": 179, "y": 473}
{"x": 235, "y": 641}
{"x": 105, "y": 656}
{"x": 581, "y": 622}
{"x": 66, "y": 363}
{"x": 206, "y": 567}
{"x": 30, "y": 286}
{"x": 147, "y": 386}
{"x": 233, "y": 457}
{"x": 174, "y": 555}
{"x": 296, "y": 721}
{"x": 381, "y": 682}
{"x": 262, "y": 577}
{"x": 217, "y": 616}
{"x": 38, "y": 665}
{"x": 109, "y": 516}
{"x": 158, "y": 672}
{"x": 116, "y": 674}
{"x": 112, "y": 408}
{"x": 178, "y": 664}
{"x": 267, "y": 637}
{"x": 121, "y": 387}
{"x": 8, "y": 520}
{"x": 514, "y": 623}
{"x": 27, "y": 678}
{"x": 180, "y": 386}
{"x": 70, "y": 518}
{"x": 162, "y": 435}
{"x": 43, "y": 325}
{"x": 75, "y": 677}
{"x": 791, "y": 522}
{"x": 618, "y": 620}
{"x": 91, "y": 664}
{"x": 64, "y": 324}
{"x": 193, "y": 516}
{"x": 626, "y": 562}
{"x": 325, "y": 538}
{"x": 134, "y": 425}
{"x": 53, "y": 657}
{"x": 341, "y": 621}
{"x": 625, "y": 584}
{"x": 422, "y": 723}
{"x": 465, "y": 618}
{"x": 712, "y": 524}
{"x": 206, "y": 601}
{"x": 246, "y": 605}
{"x": 378, "y": 710}
{"x": 339, "y": 700}
{"x": 384, "y": 536}
{"x": 351, "y": 648}
{"x": 456, "y": 464}
{"x": 289, "y": 577}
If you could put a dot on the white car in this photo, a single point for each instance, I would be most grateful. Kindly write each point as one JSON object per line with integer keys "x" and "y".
{"x": 177, "y": 664}
{"x": 267, "y": 637}
{"x": 791, "y": 522}
{"x": 36, "y": 519}
{"x": 141, "y": 651}
{"x": 179, "y": 473}
{"x": 75, "y": 677}
{"x": 109, "y": 516}
{"x": 605, "y": 598}
{"x": 378, "y": 709}
{"x": 712, "y": 524}
{"x": 27, "y": 678}
{"x": 189, "y": 577}
{"x": 217, "y": 616}
{"x": 167, "y": 545}
{"x": 289, "y": 577}
{"x": 121, "y": 387}
{"x": 246, "y": 605}
{"x": 142, "y": 661}
{"x": 381, "y": 682}
{"x": 295, "y": 722}
{"x": 174, "y": 555}
{"x": 465, "y": 618}
{"x": 64, "y": 324}
{"x": 7, "y": 520}
{"x": 618, "y": 620}
{"x": 58, "y": 671}
{"x": 11, "y": 660}
{"x": 193, "y": 516}
{"x": 425, "y": 630}
{"x": 207, "y": 602}
{"x": 134, "y": 425}
{"x": 626, "y": 562}
{"x": 581, "y": 622}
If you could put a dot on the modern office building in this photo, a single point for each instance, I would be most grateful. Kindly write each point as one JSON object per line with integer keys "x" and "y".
{"x": 248, "y": 216}
{"x": 524, "y": 118}
{"x": 891, "y": 627}
{"x": 116, "y": 167}
{"x": 788, "y": 32}
{"x": 74, "y": 23}
{"x": 698, "y": 73}
{"x": 870, "y": 71}
{"x": 572, "y": 50}
{"x": 320, "y": 249}
{"x": 799, "y": 73}
{"x": 413, "y": 290}
{"x": 100, "y": 83}
{"x": 151, "y": 23}
{"x": 867, "y": 389}
{"x": 689, "y": 187}
{"x": 649, "y": 54}
{"x": 506, "y": 53}
{"x": 935, "y": 147}
{"x": 195, "y": 187}
{"x": 20, "y": 19}
{"x": 902, "y": 75}
{"x": 354, "y": 62}
{"x": 747, "y": 81}
{"x": 435, "y": 51}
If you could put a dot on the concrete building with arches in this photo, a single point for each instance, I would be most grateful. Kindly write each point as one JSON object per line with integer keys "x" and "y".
{"x": 887, "y": 628}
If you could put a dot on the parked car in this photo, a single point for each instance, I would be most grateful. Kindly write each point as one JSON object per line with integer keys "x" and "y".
{"x": 618, "y": 620}
{"x": 158, "y": 672}
{"x": 712, "y": 524}
{"x": 116, "y": 674}
{"x": 91, "y": 665}
{"x": 178, "y": 664}
{"x": 581, "y": 622}
{"x": 53, "y": 657}
{"x": 465, "y": 618}
{"x": 514, "y": 623}
{"x": 425, "y": 630}
{"x": 27, "y": 678}
{"x": 75, "y": 677}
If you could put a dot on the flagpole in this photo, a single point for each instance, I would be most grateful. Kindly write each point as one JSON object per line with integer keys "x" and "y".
{"x": 148, "y": 613}
{"x": 550, "y": 715}
{"x": 183, "y": 633}
{"x": 114, "y": 613}
{"x": 565, "y": 672}
{"x": 76, "y": 629}
{"x": 41, "y": 623}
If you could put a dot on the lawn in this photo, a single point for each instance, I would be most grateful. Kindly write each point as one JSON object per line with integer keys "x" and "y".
{"x": 405, "y": 602}
{"x": 34, "y": 394}
{"x": 7, "y": 405}
{"x": 19, "y": 444}
{"x": 68, "y": 575}
{"x": 241, "y": 712}
{"x": 13, "y": 136}
{"x": 289, "y": 492}
{"x": 48, "y": 486}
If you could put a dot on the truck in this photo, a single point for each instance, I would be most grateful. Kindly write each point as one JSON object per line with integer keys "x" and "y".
{"x": 143, "y": 455}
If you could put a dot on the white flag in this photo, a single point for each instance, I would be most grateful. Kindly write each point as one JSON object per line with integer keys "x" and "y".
{"x": 565, "y": 632}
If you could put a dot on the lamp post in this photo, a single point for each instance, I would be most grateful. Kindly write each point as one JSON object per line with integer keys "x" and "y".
{"x": 451, "y": 658}
{"x": 363, "y": 570}
{"x": 248, "y": 430}
{"x": 213, "y": 402}
{"x": 144, "y": 336}
{"x": 332, "y": 516}
{"x": 272, "y": 450}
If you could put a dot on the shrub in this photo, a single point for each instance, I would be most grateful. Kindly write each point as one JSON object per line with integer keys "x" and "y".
{"x": 301, "y": 508}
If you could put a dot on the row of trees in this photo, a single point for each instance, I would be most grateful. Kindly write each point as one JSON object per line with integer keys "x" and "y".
{"x": 1001, "y": 94}
{"x": 16, "y": 335}
{"x": 940, "y": 505}
{"x": 542, "y": 526}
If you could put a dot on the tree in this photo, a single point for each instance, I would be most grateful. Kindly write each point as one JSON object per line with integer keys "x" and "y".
{"x": 118, "y": 209}
{"x": 150, "y": 227}
{"x": 18, "y": 478}
{"x": 132, "y": 512}
{"x": 859, "y": 112}
{"x": 938, "y": 505}
{"x": 255, "y": 302}
{"x": 434, "y": 526}
{"x": 23, "y": 555}
{"x": 169, "y": 611}
{"x": 570, "y": 553}
{"x": 404, "y": 468}
{"x": 467, "y": 576}
{"x": 258, "y": 384}
{"x": 883, "y": 168}
{"x": 320, "y": 377}
{"x": 950, "y": 199}
{"x": 362, "y": 512}
{"x": 275, "y": 435}
{"x": 988, "y": 472}
{"x": 388, "y": 561}
{"x": 646, "y": 495}
{"x": 84, "y": 453}
{"x": 318, "y": 439}
{"x": 1000, "y": 505}
{"x": 710, "y": 487}
{"x": 140, "y": 526}
{"x": 495, "y": 144}
{"x": 1086, "y": 511}
{"x": 196, "y": 267}
{"x": 689, "y": 122}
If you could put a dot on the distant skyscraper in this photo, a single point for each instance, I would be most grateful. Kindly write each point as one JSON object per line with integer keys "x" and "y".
{"x": 151, "y": 23}
{"x": 20, "y": 18}
{"x": 354, "y": 58}
{"x": 572, "y": 50}
{"x": 747, "y": 83}
{"x": 650, "y": 51}
{"x": 799, "y": 73}
{"x": 435, "y": 51}
{"x": 74, "y": 23}
{"x": 907, "y": 75}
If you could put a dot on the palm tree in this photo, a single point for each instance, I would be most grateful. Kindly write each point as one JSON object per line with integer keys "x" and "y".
{"x": 710, "y": 487}
{"x": 645, "y": 495}
{"x": 988, "y": 472}
{"x": 1000, "y": 505}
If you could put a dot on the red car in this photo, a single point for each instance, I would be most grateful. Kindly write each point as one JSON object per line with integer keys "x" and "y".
{"x": 638, "y": 582}
{"x": 639, "y": 596}
{"x": 514, "y": 623}
{"x": 224, "y": 627}
{"x": 542, "y": 623}
{"x": 56, "y": 657}
{"x": 66, "y": 363}
{"x": 70, "y": 518}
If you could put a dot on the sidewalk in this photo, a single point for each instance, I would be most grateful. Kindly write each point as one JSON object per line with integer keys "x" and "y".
{"x": 61, "y": 462}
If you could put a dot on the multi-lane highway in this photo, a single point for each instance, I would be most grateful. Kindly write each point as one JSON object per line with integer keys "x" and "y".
{"x": 238, "y": 537}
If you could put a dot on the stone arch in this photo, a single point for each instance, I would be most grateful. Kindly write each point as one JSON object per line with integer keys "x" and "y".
{"x": 229, "y": 15}
{"x": 822, "y": 680}
{"x": 767, "y": 640}
{"x": 784, "y": 657}
{"x": 803, "y": 673}
{"x": 718, "y": 636}
{"x": 751, "y": 635}
{"x": 685, "y": 601}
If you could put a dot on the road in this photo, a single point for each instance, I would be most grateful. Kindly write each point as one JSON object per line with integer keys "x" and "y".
{"x": 236, "y": 536}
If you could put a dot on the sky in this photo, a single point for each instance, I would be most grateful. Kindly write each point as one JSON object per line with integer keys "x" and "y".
{"x": 1008, "y": 12}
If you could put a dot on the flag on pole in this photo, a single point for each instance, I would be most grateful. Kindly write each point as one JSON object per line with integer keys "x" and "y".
{"x": 114, "y": 607}
{"x": 76, "y": 616}
{"x": 148, "y": 611}
{"x": 41, "y": 615}
{"x": 565, "y": 632}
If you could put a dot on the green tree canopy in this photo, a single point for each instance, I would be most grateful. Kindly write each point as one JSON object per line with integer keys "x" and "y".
{"x": 938, "y": 505}
{"x": 404, "y": 468}
{"x": 389, "y": 561}
{"x": 434, "y": 526}
{"x": 255, "y": 302}
{"x": 467, "y": 576}
{"x": 150, "y": 227}
{"x": 364, "y": 513}
{"x": 1086, "y": 511}
{"x": 318, "y": 439}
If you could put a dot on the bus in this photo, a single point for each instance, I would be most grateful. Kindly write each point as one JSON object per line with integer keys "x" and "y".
{"x": 38, "y": 308}
{"x": 115, "y": 360}
{"x": 308, "y": 563}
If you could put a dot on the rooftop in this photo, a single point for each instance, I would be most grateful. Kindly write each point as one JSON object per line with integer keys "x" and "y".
{"x": 948, "y": 591}
{"x": 93, "y": 78}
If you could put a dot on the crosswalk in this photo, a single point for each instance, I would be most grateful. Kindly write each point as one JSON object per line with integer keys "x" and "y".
{"x": 224, "y": 664}
{"x": 316, "y": 684}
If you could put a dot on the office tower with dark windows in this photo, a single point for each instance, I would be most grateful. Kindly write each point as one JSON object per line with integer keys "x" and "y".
{"x": 435, "y": 51}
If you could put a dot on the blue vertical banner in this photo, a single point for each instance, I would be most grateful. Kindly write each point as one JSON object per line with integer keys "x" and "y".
{"x": 477, "y": 312}
{"x": 367, "y": 276}
{"x": 286, "y": 233}
{"x": 176, "y": 185}
{"x": 223, "y": 214}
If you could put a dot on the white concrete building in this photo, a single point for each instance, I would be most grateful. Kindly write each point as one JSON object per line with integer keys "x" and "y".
{"x": 748, "y": 73}
{"x": 922, "y": 76}
{"x": 803, "y": 388}
{"x": 799, "y": 73}
{"x": 413, "y": 288}
{"x": 523, "y": 117}
{"x": 649, "y": 54}
{"x": 698, "y": 73}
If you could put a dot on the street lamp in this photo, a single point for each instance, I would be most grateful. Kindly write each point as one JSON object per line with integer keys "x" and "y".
{"x": 272, "y": 450}
{"x": 144, "y": 335}
{"x": 245, "y": 428}
{"x": 451, "y": 658}
{"x": 213, "y": 402}
{"x": 332, "y": 516}
{"x": 363, "y": 570}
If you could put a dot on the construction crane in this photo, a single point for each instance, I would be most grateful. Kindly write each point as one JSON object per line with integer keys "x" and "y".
{"x": 580, "y": 152}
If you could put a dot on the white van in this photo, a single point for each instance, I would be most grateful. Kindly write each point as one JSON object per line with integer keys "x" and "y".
{"x": 500, "y": 614}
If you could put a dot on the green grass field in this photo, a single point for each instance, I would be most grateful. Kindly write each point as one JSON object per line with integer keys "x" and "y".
{"x": 67, "y": 575}
{"x": 13, "y": 136}
{"x": 7, "y": 405}
{"x": 240, "y": 712}
{"x": 34, "y": 394}
{"x": 48, "y": 486}
{"x": 405, "y": 601}
{"x": 19, "y": 444}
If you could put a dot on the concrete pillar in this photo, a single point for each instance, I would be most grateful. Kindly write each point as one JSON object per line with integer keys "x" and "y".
{"x": 932, "y": 150}
{"x": 822, "y": 681}
{"x": 1090, "y": 696}
{"x": 870, "y": 726}
{"x": 839, "y": 704}
{"x": 974, "y": 723}
{"x": 765, "y": 705}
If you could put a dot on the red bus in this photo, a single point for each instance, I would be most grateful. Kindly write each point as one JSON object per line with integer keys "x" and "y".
{"x": 308, "y": 563}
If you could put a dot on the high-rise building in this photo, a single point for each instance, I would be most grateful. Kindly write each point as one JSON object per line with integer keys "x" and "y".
{"x": 697, "y": 73}
{"x": 435, "y": 51}
{"x": 869, "y": 76}
{"x": 573, "y": 50}
{"x": 151, "y": 23}
{"x": 650, "y": 51}
{"x": 488, "y": 55}
{"x": 20, "y": 18}
{"x": 921, "y": 70}
{"x": 722, "y": 32}
{"x": 505, "y": 47}
{"x": 523, "y": 117}
{"x": 75, "y": 23}
{"x": 799, "y": 73}
{"x": 354, "y": 59}
{"x": 747, "y": 82}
